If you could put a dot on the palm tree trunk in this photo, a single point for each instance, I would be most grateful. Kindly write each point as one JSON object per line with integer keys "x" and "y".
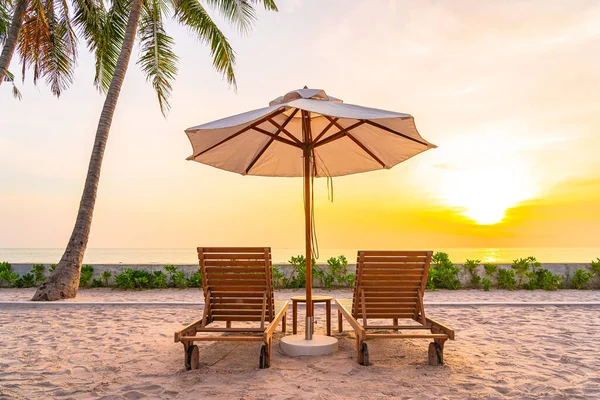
{"x": 64, "y": 282}
{"x": 11, "y": 39}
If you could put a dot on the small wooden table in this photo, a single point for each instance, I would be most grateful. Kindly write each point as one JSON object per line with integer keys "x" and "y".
{"x": 315, "y": 299}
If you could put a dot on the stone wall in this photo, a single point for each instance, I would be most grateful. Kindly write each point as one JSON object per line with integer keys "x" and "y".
{"x": 562, "y": 269}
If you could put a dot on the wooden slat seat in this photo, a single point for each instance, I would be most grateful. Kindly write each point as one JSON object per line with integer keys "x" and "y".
{"x": 390, "y": 285}
{"x": 237, "y": 286}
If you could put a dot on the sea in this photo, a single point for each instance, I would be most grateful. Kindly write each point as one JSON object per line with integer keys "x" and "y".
{"x": 281, "y": 255}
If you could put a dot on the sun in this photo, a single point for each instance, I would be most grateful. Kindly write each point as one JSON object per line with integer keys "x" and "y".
{"x": 484, "y": 176}
{"x": 486, "y": 193}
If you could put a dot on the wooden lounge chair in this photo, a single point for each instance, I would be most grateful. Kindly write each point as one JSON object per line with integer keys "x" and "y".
{"x": 238, "y": 288}
{"x": 390, "y": 285}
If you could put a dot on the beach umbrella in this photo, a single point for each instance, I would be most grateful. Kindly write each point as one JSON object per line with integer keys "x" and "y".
{"x": 307, "y": 133}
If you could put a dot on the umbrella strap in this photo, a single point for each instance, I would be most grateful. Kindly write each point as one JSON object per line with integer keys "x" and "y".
{"x": 314, "y": 241}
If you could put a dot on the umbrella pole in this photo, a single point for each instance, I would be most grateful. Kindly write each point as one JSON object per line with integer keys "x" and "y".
{"x": 308, "y": 327}
{"x": 308, "y": 330}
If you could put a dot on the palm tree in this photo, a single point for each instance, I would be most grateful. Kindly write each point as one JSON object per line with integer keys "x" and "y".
{"x": 159, "y": 62}
{"x": 42, "y": 33}
{"x": 9, "y": 33}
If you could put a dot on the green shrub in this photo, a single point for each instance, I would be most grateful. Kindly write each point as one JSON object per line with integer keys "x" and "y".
{"x": 595, "y": 267}
{"x": 176, "y": 277}
{"x": 506, "y": 279}
{"x": 85, "y": 277}
{"x": 350, "y": 278}
{"x": 106, "y": 275}
{"x": 5, "y": 266}
{"x": 38, "y": 271}
{"x": 7, "y": 277}
{"x": 141, "y": 280}
{"x": 543, "y": 279}
{"x": 124, "y": 280}
{"x": 298, "y": 276}
{"x": 486, "y": 283}
{"x": 490, "y": 269}
{"x": 339, "y": 269}
{"x": 138, "y": 279}
{"x": 194, "y": 280}
{"x": 25, "y": 281}
{"x": 432, "y": 278}
{"x": 279, "y": 280}
{"x": 522, "y": 267}
{"x": 443, "y": 273}
{"x": 336, "y": 273}
{"x": 52, "y": 268}
{"x": 97, "y": 283}
{"x": 581, "y": 278}
{"x": 159, "y": 280}
{"x": 471, "y": 267}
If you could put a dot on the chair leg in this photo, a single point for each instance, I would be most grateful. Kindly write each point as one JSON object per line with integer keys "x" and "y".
{"x": 294, "y": 317}
{"x": 283, "y": 322}
{"x": 395, "y": 324}
{"x": 441, "y": 342}
{"x": 328, "y": 316}
{"x": 340, "y": 321}
{"x": 228, "y": 324}
{"x": 436, "y": 352}
{"x": 360, "y": 356}
{"x": 185, "y": 351}
{"x": 269, "y": 352}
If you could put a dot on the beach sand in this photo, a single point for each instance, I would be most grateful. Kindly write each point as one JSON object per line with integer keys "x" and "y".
{"x": 127, "y": 352}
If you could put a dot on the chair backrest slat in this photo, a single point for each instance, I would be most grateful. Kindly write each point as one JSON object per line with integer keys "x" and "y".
{"x": 237, "y": 279}
{"x": 392, "y": 282}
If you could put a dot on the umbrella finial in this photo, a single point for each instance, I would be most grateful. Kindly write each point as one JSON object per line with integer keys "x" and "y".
{"x": 305, "y": 87}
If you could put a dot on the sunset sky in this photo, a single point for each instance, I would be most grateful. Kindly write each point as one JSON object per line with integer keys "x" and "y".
{"x": 509, "y": 91}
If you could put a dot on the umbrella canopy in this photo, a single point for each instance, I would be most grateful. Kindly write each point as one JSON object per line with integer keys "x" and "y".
{"x": 310, "y": 134}
{"x": 345, "y": 138}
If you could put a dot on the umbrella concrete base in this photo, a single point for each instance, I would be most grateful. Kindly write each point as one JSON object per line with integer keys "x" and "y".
{"x": 296, "y": 345}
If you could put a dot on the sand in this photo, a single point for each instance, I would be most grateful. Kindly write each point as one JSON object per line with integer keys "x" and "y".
{"x": 127, "y": 352}
{"x": 195, "y": 295}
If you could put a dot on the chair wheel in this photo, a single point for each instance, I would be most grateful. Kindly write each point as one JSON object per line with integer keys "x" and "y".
{"x": 435, "y": 356}
{"x": 262, "y": 358}
{"x": 192, "y": 359}
{"x": 365, "y": 353}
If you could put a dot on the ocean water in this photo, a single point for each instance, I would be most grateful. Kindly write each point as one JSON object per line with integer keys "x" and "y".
{"x": 281, "y": 255}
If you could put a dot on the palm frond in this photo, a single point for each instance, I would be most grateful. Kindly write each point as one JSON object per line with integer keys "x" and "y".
{"x": 60, "y": 58}
{"x": 190, "y": 13}
{"x": 4, "y": 20}
{"x": 107, "y": 46}
{"x": 269, "y": 5}
{"x": 88, "y": 17}
{"x": 240, "y": 13}
{"x": 34, "y": 34}
{"x": 47, "y": 44}
{"x": 9, "y": 77}
{"x": 158, "y": 60}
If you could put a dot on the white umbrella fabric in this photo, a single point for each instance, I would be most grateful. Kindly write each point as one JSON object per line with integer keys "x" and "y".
{"x": 310, "y": 134}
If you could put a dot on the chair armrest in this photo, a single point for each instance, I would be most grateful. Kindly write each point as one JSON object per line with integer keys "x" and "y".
{"x": 280, "y": 310}
{"x": 358, "y": 328}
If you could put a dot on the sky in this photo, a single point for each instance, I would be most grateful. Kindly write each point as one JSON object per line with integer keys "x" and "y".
{"x": 509, "y": 91}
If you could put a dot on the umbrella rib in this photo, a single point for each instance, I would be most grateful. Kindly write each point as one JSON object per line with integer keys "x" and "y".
{"x": 339, "y": 134}
{"x": 251, "y": 126}
{"x": 385, "y": 128}
{"x": 362, "y": 146}
{"x": 281, "y": 128}
{"x": 355, "y": 140}
{"x": 275, "y": 137}
{"x": 262, "y": 151}
{"x": 331, "y": 123}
